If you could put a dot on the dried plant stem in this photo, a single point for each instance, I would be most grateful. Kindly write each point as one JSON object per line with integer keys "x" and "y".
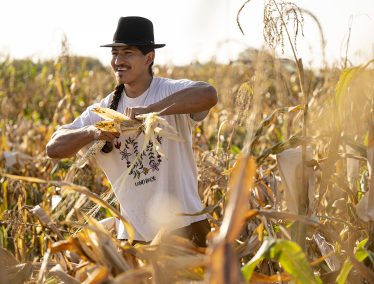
{"x": 300, "y": 231}
{"x": 349, "y": 37}
{"x": 237, "y": 15}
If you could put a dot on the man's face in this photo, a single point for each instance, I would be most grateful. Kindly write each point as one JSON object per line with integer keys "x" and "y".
{"x": 129, "y": 64}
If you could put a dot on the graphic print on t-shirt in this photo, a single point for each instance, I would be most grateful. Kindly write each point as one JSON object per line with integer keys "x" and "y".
{"x": 147, "y": 163}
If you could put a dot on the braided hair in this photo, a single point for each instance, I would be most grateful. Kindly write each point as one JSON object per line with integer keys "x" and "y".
{"x": 108, "y": 147}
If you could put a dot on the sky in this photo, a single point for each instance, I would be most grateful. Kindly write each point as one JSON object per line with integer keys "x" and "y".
{"x": 192, "y": 30}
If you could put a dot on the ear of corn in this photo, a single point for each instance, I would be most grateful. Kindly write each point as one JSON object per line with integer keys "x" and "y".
{"x": 110, "y": 114}
{"x": 89, "y": 154}
{"x": 115, "y": 121}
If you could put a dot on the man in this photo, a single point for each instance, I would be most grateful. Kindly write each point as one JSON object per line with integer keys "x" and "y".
{"x": 157, "y": 188}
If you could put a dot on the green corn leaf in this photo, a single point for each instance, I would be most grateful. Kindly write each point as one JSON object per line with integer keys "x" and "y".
{"x": 342, "y": 88}
{"x": 247, "y": 269}
{"x": 360, "y": 255}
{"x": 290, "y": 256}
{"x": 293, "y": 260}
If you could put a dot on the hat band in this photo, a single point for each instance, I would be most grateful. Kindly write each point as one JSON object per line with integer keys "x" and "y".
{"x": 135, "y": 42}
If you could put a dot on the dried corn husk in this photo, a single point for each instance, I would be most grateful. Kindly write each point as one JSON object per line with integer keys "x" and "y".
{"x": 95, "y": 148}
{"x": 118, "y": 122}
{"x": 365, "y": 208}
{"x": 290, "y": 168}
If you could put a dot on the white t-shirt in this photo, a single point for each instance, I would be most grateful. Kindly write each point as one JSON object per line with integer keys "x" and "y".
{"x": 157, "y": 188}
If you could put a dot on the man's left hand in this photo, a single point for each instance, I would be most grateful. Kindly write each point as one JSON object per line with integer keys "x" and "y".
{"x": 132, "y": 112}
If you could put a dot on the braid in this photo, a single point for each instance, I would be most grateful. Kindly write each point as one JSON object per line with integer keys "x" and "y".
{"x": 108, "y": 147}
{"x": 116, "y": 96}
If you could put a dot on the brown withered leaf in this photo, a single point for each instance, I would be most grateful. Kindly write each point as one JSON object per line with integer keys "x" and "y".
{"x": 134, "y": 275}
{"x": 99, "y": 275}
{"x": 240, "y": 185}
{"x": 276, "y": 278}
{"x": 224, "y": 264}
{"x": 59, "y": 273}
{"x": 23, "y": 178}
{"x": 7, "y": 258}
{"x": 103, "y": 203}
{"x": 18, "y": 274}
{"x": 45, "y": 220}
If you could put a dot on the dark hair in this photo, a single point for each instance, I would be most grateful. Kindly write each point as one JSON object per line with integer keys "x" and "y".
{"x": 108, "y": 147}
{"x": 145, "y": 50}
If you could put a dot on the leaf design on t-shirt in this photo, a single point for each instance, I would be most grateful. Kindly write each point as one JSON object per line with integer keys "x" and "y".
{"x": 125, "y": 154}
{"x": 117, "y": 144}
{"x": 153, "y": 127}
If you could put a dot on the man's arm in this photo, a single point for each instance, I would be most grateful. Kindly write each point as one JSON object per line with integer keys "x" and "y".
{"x": 196, "y": 100}
{"x": 67, "y": 142}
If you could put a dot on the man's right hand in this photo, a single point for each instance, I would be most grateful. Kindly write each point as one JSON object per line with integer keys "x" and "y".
{"x": 103, "y": 135}
{"x": 66, "y": 142}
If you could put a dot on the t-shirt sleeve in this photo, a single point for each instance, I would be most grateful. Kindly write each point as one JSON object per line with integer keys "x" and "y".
{"x": 174, "y": 86}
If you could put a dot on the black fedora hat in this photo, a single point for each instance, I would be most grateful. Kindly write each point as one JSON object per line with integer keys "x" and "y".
{"x": 137, "y": 31}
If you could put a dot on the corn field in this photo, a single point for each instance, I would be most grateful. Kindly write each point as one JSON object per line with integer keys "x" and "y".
{"x": 284, "y": 162}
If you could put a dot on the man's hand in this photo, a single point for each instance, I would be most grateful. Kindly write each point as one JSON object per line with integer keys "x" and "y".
{"x": 98, "y": 134}
{"x": 132, "y": 112}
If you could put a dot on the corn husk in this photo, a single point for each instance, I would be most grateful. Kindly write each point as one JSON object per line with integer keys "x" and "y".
{"x": 290, "y": 168}
{"x": 112, "y": 123}
{"x": 152, "y": 125}
{"x": 365, "y": 208}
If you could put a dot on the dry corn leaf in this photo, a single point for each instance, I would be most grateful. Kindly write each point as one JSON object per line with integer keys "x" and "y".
{"x": 85, "y": 191}
{"x": 240, "y": 185}
{"x": 59, "y": 273}
{"x": 188, "y": 261}
{"x": 276, "y": 278}
{"x": 43, "y": 268}
{"x": 102, "y": 239}
{"x": 23, "y": 178}
{"x": 99, "y": 275}
{"x": 63, "y": 245}
{"x": 45, "y": 220}
{"x": 134, "y": 276}
{"x": 289, "y": 216}
{"x": 18, "y": 274}
{"x": 224, "y": 265}
{"x": 92, "y": 250}
{"x": 7, "y": 258}
{"x": 103, "y": 203}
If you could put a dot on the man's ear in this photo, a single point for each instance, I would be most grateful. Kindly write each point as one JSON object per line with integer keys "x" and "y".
{"x": 150, "y": 57}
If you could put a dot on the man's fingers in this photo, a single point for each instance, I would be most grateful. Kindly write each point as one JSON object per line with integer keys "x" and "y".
{"x": 108, "y": 136}
{"x": 128, "y": 112}
{"x": 131, "y": 113}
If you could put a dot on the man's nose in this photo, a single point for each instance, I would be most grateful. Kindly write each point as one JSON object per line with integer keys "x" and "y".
{"x": 119, "y": 59}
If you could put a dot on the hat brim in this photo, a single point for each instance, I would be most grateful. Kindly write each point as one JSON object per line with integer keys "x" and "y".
{"x": 132, "y": 44}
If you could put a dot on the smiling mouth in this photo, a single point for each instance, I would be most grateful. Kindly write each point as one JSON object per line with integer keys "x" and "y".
{"x": 121, "y": 69}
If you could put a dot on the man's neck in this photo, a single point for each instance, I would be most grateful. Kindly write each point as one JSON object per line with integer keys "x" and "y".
{"x": 134, "y": 90}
